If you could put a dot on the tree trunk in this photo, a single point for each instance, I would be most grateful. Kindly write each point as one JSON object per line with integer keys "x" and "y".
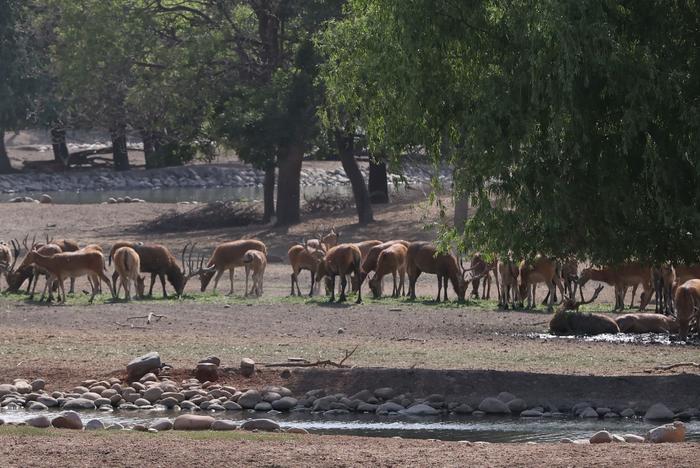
{"x": 346, "y": 145}
{"x": 378, "y": 182}
{"x": 5, "y": 166}
{"x": 288, "y": 192}
{"x": 149, "y": 148}
{"x": 269, "y": 193}
{"x": 120, "y": 155}
{"x": 58, "y": 143}
{"x": 461, "y": 211}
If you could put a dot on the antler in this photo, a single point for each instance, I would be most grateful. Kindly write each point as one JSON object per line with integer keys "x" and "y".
{"x": 16, "y": 251}
{"x": 571, "y": 304}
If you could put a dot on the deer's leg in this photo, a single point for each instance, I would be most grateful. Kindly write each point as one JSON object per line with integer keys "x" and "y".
{"x": 219, "y": 274}
{"x": 293, "y": 275}
{"x": 439, "y": 279}
{"x": 332, "y": 281}
{"x": 343, "y": 285}
{"x": 153, "y": 281}
{"x": 230, "y": 278}
{"x": 162, "y": 283}
{"x": 552, "y": 292}
{"x": 634, "y": 293}
{"x": 117, "y": 284}
{"x": 247, "y": 273}
{"x": 313, "y": 284}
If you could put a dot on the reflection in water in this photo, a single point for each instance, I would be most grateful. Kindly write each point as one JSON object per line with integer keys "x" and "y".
{"x": 452, "y": 427}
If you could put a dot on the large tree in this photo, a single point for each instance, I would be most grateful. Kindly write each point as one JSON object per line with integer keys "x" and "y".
{"x": 574, "y": 123}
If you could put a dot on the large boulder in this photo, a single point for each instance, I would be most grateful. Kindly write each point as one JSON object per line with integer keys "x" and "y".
{"x": 260, "y": 425}
{"x": 420, "y": 410}
{"x": 163, "y": 424}
{"x": 192, "y": 422}
{"x": 674, "y": 432}
{"x": 94, "y": 425}
{"x": 284, "y": 403}
{"x": 659, "y": 412}
{"x": 224, "y": 425}
{"x": 601, "y": 437}
{"x": 249, "y": 399}
{"x": 142, "y": 365}
{"x": 68, "y": 420}
{"x": 493, "y": 406}
{"x": 79, "y": 404}
{"x": 6, "y": 389}
{"x": 39, "y": 421}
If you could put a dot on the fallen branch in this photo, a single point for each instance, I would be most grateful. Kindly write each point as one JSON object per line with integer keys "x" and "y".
{"x": 149, "y": 317}
{"x": 320, "y": 363}
{"x": 130, "y": 325}
{"x": 680, "y": 364}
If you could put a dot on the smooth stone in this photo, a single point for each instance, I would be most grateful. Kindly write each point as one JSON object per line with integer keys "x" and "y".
{"x": 142, "y": 402}
{"x": 674, "y": 432}
{"x": 659, "y": 412}
{"x": 296, "y": 430}
{"x": 588, "y": 413}
{"x": 6, "y": 389}
{"x": 38, "y": 384}
{"x": 531, "y": 414}
{"x": 271, "y": 396}
{"x": 153, "y": 394}
{"x": 493, "y": 406}
{"x": 618, "y": 438}
{"x": 506, "y": 397}
{"x": 92, "y": 396}
{"x": 463, "y": 408}
{"x": 611, "y": 415}
{"x": 627, "y": 413}
{"x": 336, "y": 412}
{"x": 420, "y": 410}
{"x": 601, "y": 437}
{"x": 249, "y": 399}
{"x": 211, "y": 359}
{"x": 169, "y": 402}
{"x": 39, "y": 421}
{"x": 162, "y": 424}
{"x": 566, "y": 440}
{"x": 602, "y": 410}
{"x": 178, "y": 396}
{"x": 142, "y": 365}
{"x": 517, "y": 405}
{"x": 192, "y": 422}
{"x": 633, "y": 438}
{"x": 389, "y": 407}
{"x": 79, "y": 404}
{"x": 366, "y": 408}
{"x": 218, "y": 407}
{"x": 102, "y": 402}
{"x": 232, "y": 406}
{"x": 247, "y": 367}
{"x": 260, "y": 425}
{"x": 362, "y": 395}
{"x": 263, "y": 406}
{"x": 115, "y": 427}
{"x": 384, "y": 393}
{"x": 224, "y": 425}
{"x": 94, "y": 424}
{"x": 68, "y": 420}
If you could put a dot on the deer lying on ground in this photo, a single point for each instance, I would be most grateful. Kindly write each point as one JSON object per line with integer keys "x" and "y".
{"x": 687, "y": 300}
{"x": 663, "y": 279}
{"x": 72, "y": 264}
{"x": 647, "y": 323}
{"x": 128, "y": 267}
{"x": 228, "y": 256}
{"x": 255, "y": 261}
{"x": 567, "y": 320}
{"x": 509, "y": 273}
{"x": 539, "y": 270}
{"x": 301, "y": 257}
{"x": 480, "y": 267}
{"x": 621, "y": 277}
{"x": 424, "y": 257}
{"x": 392, "y": 260}
{"x": 341, "y": 260}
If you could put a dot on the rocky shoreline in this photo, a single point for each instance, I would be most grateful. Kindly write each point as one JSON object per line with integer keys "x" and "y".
{"x": 193, "y": 176}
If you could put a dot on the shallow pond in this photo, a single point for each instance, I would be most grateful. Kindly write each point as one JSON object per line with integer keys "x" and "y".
{"x": 448, "y": 427}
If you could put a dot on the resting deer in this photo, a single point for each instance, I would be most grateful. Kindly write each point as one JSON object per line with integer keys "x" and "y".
{"x": 341, "y": 260}
{"x": 128, "y": 267}
{"x": 301, "y": 257}
{"x": 392, "y": 260}
{"x": 539, "y": 270}
{"x": 569, "y": 321}
{"x": 687, "y": 301}
{"x": 424, "y": 257}
{"x": 255, "y": 261}
{"x": 228, "y": 256}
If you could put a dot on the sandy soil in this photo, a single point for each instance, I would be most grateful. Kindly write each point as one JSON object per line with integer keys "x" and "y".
{"x": 34, "y": 448}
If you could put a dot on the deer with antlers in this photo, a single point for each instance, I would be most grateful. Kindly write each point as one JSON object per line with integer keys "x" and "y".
{"x": 567, "y": 320}
{"x": 301, "y": 257}
{"x": 228, "y": 256}
{"x": 323, "y": 242}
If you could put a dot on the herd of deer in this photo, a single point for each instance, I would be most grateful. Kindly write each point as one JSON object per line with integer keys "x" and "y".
{"x": 676, "y": 287}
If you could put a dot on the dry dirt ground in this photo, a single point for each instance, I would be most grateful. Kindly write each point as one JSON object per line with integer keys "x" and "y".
{"x": 69, "y": 343}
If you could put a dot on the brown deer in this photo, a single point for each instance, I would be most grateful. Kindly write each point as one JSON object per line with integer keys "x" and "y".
{"x": 621, "y": 277}
{"x": 7, "y": 258}
{"x": 228, "y": 256}
{"x": 539, "y": 270}
{"x": 301, "y": 257}
{"x": 647, "y": 323}
{"x": 482, "y": 268}
{"x": 424, "y": 257}
{"x": 67, "y": 245}
{"x": 369, "y": 261}
{"x": 128, "y": 266}
{"x": 663, "y": 279}
{"x": 567, "y": 320}
{"x": 687, "y": 300}
{"x": 324, "y": 242}
{"x": 341, "y": 260}
{"x": 508, "y": 272}
{"x": 687, "y": 272}
{"x": 255, "y": 261}
{"x": 72, "y": 264}
{"x": 392, "y": 260}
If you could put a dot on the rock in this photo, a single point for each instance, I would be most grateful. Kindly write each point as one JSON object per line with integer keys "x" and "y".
{"x": 94, "y": 425}
{"x": 36, "y": 406}
{"x": 38, "y": 384}
{"x": 362, "y": 395}
{"x": 162, "y": 424}
{"x": 618, "y": 438}
{"x": 68, "y": 420}
{"x": 633, "y": 438}
{"x": 674, "y": 432}
{"x": 531, "y": 414}
{"x": 48, "y": 401}
{"x": 92, "y": 396}
{"x": 588, "y": 413}
{"x": 602, "y": 410}
{"x": 224, "y": 425}
{"x": 505, "y": 397}
{"x": 218, "y": 407}
{"x": 600, "y": 437}
{"x": 578, "y": 407}
{"x": 249, "y": 399}
{"x": 336, "y": 412}
{"x": 79, "y": 404}
{"x": 45, "y": 198}
{"x": 142, "y": 365}
{"x": 611, "y": 415}
{"x": 192, "y": 422}
{"x": 247, "y": 367}
{"x": 420, "y": 410}
{"x": 271, "y": 396}
{"x": 207, "y": 371}
{"x": 6, "y": 389}
{"x": 111, "y": 200}
{"x": 323, "y": 403}
{"x": 516, "y": 405}
{"x": 115, "y": 427}
{"x": 384, "y": 393}
{"x": 627, "y": 413}
{"x": 211, "y": 359}
{"x": 188, "y": 405}
{"x": 23, "y": 387}
{"x": 389, "y": 407}
{"x": 566, "y": 440}
{"x": 493, "y": 406}
{"x": 233, "y": 406}
{"x": 169, "y": 402}
{"x": 659, "y": 412}
{"x": 463, "y": 408}
{"x": 284, "y": 403}
{"x": 260, "y": 425}
{"x": 39, "y": 421}
{"x": 296, "y": 430}
{"x": 153, "y": 394}
{"x": 366, "y": 408}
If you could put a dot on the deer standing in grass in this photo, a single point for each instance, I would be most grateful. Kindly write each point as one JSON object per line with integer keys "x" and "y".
{"x": 423, "y": 257}
{"x": 621, "y": 277}
{"x": 228, "y": 256}
{"x": 508, "y": 273}
{"x": 301, "y": 257}
{"x": 687, "y": 300}
{"x": 341, "y": 260}
{"x": 255, "y": 261}
{"x": 128, "y": 267}
{"x": 482, "y": 268}
{"x": 392, "y": 260}
{"x": 369, "y": 261}
{"x": 539, "y": 270}
{"x": 7, "y": 259}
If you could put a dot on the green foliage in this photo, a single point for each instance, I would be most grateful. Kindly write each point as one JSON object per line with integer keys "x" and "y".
{"x": 573, "y": 124}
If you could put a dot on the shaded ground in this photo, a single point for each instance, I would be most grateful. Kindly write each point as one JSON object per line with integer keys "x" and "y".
{"x": 24, "y": 447}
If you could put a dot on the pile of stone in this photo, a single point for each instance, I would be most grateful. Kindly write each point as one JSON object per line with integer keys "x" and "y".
{"x": 668, "y": 433}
